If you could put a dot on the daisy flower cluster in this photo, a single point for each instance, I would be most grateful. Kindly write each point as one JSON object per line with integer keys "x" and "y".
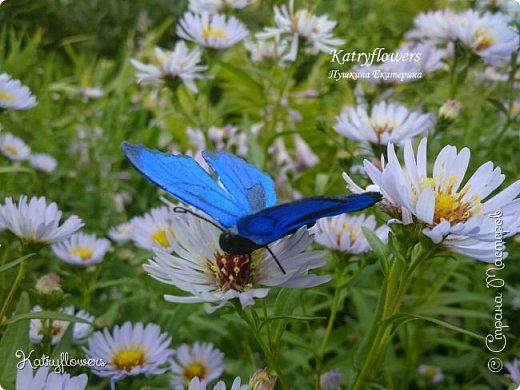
{"x": 456, "y": 212}
{"x": 15, "y": 149}
{"x": 487, "y": 35}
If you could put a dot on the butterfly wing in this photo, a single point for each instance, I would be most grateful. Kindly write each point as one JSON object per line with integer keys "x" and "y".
{"x": 273, "y": 223}
{"x": 253, "y": 189}
{"x": 185, "y": 179}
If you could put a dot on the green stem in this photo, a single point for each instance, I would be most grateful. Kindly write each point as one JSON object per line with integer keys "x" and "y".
{"x": 271, "y": 359}
{"x": 12, "y": 292}
{"x": 333, "y": 312}
{"x": 393, "y": 296}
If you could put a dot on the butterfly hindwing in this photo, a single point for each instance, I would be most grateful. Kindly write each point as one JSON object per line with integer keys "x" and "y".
{"x": 251, "y": 188}
{"x": 273, "y": 223}
{"x": 185, "y": 179}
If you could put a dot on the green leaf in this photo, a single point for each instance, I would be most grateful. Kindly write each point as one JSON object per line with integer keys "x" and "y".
{"x": 254, "y": 150}
{"x": 15, "y": 170}
{"x": 14, "y": 263}
{"x": 402, "y": 318}
{"x": 376, "y": 244}
{"x": 15, "y": 338}
{"x": 45, "y": 315}
{"x": 297, "y": 318}
{"x": 284, "y": 305}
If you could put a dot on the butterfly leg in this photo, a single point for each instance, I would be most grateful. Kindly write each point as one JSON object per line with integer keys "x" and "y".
{"x": 275, "y": 259}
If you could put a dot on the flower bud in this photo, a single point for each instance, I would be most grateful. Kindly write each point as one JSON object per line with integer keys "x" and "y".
{"x": 450, "y": 110}
{"x": 50, "y": 294}
{"x": 262, "y": 380}
{"x": 48, "y": 283}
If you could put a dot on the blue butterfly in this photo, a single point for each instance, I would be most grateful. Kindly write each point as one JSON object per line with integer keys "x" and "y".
{"x": 245, "y": 200}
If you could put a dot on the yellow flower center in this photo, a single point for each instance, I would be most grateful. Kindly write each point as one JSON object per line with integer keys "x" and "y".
{"x": 483, "y": 39}
{"x": 353, "y": 233}
{"x": 11, "y": 150}
{"x": 161, "y": 237}
{"x": 83, "y": 253}
{"x": 209, "y": 32}
{"x": 195, "y": 370}
{"x": 127, "y": 359}
{"x": 58, "y": 327}
{"x": 234, "y": 272}
{"x": 6, "y": 97}
{"x": 449, "y": 206}
{"x": 431, "y": 372}
{"x": 381, "y": 127}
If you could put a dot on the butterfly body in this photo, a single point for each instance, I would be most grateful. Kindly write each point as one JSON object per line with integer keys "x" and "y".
{"x": 243, "y": 200}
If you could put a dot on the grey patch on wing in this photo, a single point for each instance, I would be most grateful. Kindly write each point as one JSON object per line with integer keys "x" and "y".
{"x": 256, "y": 197}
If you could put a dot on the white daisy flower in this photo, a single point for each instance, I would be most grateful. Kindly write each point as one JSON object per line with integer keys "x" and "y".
{"x": 153, "y": 228}
{"x": 229, "y": 138}
{"x": 36, "y": 221}
{"x": 432, "y": 373}
{"x": 316, "y": 30}
{"x": 121, "y": 233}
{"x": 214, "y": 6}
{"x": 434, "y": 26}
{"x": 305, "y": 157}
{"x": 43, "y": 162}
{"x": 267, "y": 49}
{"x": 487, "y": 35}
{"x": 91, "y": 93}
{"x": 196, "y": 384}
{"x": 181, "y": 62}
{"x": 130, "y": 350}
{"x": 208, "y": 274}
{"x": 58, "y": 328}
{"x": 343, "y": 232}
{"x": 82, "y": 249}
{"x": 200, "y": 360}
{"x": 42, "y": 380}
{"x": 513, "y": 371}
{"x": 386, "y": 123}
{"x": 15, "y": 95}
{"x": 213, "y": 31}
{"x": 14, "y": 148}
{"x": 459, "y": 216}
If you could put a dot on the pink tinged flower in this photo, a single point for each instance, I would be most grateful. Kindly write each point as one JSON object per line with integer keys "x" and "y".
{"x": 43, "y": 380}
{"x": 37, "y": 222}
{"x": 129, "y": 350}
{"x": 214, "y": 31}
{"x": 386, "y": 123}
{"x": 344, "y": 232}
{"x": 199, "y": 267}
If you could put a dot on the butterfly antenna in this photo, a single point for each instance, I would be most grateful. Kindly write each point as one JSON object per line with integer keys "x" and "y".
{"x": 275, "y": 259}
{"x": 184, "y": 210}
